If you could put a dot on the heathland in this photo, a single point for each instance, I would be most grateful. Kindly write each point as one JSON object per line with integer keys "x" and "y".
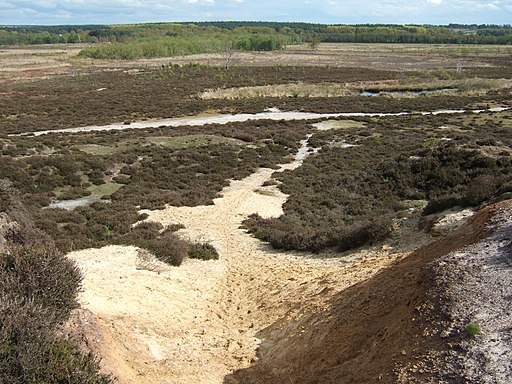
{"x": 291, "y": 184}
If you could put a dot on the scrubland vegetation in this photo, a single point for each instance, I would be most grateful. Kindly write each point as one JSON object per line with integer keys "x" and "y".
{"x": 38, "y": 290}
{"x": 368, "y": 175}
{"x": 341, "y": 197}
{"x": 150, "y": 175}
{"x": 347, "y": 196}
{"x": 171, "y": 91}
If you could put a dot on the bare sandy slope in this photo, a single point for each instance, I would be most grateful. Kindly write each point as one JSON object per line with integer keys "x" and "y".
{"x": 199, "y": 322}
{"x": 407, "y": 324}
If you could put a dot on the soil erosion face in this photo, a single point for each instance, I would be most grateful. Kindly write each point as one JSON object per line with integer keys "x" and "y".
{"x": 201, "y": 321}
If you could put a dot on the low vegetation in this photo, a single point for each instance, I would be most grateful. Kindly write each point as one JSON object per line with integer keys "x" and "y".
{"x": 335, "y": 196}
{"x": 347, "y": 196}
{"x": 369, "y": 175}
{"x": 166, "y": 92}
{"x": 166, "y": 245}
{"x": 203, "y": 251}
{"x": 148, "y": 169}
{"x": 38, "y": 289}
{"x": 473, "y": 329}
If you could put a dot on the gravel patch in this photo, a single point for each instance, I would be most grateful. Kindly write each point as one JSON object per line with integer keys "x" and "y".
{"x": 475, "y": 290}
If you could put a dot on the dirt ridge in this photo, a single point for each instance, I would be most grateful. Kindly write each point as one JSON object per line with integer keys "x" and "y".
{"x": 388, "y": 328}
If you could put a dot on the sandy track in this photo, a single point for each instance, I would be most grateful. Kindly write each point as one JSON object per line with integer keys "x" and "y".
{"x": 271, "y": 114}
{"x": 199, "y": 322}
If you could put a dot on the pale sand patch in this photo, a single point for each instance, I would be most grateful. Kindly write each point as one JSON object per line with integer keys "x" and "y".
{"x": 198, "y": 322}
{"x": 338, "y": 124}
{"x": 269, "y": 114}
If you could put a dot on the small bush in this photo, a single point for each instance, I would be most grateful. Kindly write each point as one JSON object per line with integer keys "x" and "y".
{"x": 362, "y": 233}
{"x": 30, "y": 351}
{"x": 472, "y": 329}
{"x": 441, "y": 203}
{"x": 39, "y": 271}
{"x": 269, "y": 183}
{"x": 168, "y": 248}
{"x": 145, "y": 231}
{"x": 202, "y": 251}
{"x": 480, "y": 189}
{"x": 174, "y": 227}
{"x": 122, "y": 179}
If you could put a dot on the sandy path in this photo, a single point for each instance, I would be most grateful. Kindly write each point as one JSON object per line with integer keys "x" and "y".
{"x": 271, "y": 114}
{"x": 199, "y": 322}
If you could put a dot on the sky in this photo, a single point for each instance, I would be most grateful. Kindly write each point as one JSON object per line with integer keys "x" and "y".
{"x": 59, "y": 12}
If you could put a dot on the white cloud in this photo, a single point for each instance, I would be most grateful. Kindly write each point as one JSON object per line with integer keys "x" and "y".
{"x": 323, "y": 11}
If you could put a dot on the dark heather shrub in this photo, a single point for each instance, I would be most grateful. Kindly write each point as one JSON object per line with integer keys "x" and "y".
{"x": 30, "y": 351}
{"x": 202, "y": 251}
{"x": 168, "y": 248}
{"x": 38, "y": 289}
{"x": 39, "y": 272}
{"x": 480, "y": 189}
{"x": 362, "y": 233}
{"x": 441, "y": 203}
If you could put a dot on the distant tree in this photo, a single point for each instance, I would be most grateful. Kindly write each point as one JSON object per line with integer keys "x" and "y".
{"x": 313, "y": 43}
{"x": 228, "y": 51}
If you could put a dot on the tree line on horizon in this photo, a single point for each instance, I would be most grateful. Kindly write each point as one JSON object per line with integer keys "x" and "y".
{"x": 168, "y": 39}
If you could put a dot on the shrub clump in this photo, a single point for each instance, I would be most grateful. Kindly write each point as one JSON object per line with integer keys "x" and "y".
{"x": 364, "y": 232}
{"x": 166, "y": 245}
{"x": 40, "y": 273}
{"x": 202, "y": 251}
{"x": 289, "y": 233}
{"x": 472, "y": 329}
{"x": 168, "y": 248}
{"x": 31, "y": 351}
{"x": 38, "y": 289}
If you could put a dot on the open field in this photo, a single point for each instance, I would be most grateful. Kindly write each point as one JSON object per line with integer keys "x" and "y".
{"x": 20, "y": 64}
{"x": 391, "y": 147}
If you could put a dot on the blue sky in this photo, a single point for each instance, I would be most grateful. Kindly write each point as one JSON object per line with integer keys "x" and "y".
{"x": 320, "y": 11}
